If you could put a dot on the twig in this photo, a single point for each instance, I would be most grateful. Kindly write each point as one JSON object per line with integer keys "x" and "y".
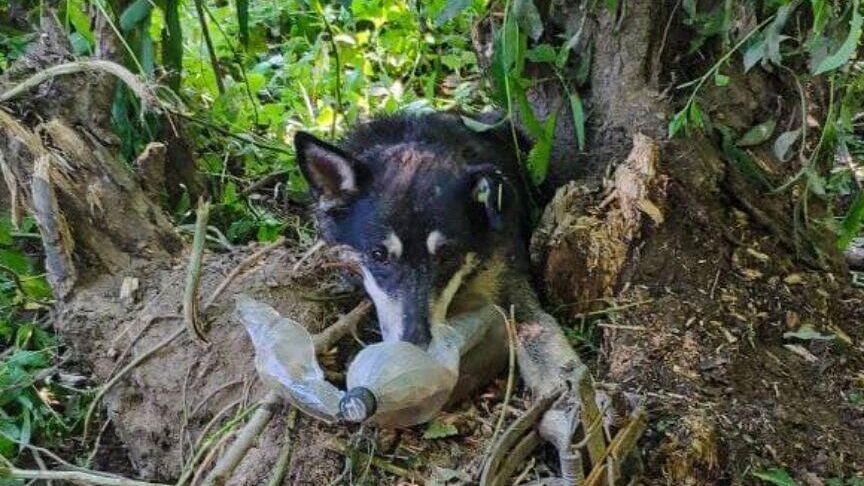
{"x": 337, "y": 445}
{"x": 140, "y": 89}
{"x": 242, "y": 266}
{"x": 193, "y": 275}
{"x": 126, "y": 369}
{"x": 54, "y": 457}
{"x": 273, "y": 176}
{"x": 92, "y": 456}
{"x": 204, "y": 442}
{"x": 511, "y": 369}
{"x": 284, "y": 457}
{"x": 39, "y": 462}
{"x": 311, "y": 251}
{"x": 209, "y": 458}
{"x": 73, "y": 476}
{"x": 138, "y": 336}
{"x": 614, "y": 308}
{"x": 221, "y": 472}
{"x": 210, "y": 395}
{"x": 347, "y": 323}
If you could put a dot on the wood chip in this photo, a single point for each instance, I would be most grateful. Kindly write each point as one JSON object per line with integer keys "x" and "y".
{"x": 802, "y": 352}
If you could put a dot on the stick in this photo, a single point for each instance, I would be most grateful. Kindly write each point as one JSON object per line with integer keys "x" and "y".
{"x": 285, "y": 453}
{"x": 338, "y": 446}
{"x": 242, "y": 266}
{"x": 141, "y": 90}
{"x": 248, "y": 434}
{"x": 193, "y": 276}
{"x": 126, "y": 369}
{"x": 348, "y": 323}
{"x": 73, "y": 476}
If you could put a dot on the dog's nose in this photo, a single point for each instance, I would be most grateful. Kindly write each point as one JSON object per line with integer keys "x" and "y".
{"x": 416, "y": 329}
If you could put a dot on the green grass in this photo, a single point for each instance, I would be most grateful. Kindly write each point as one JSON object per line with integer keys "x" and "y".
{"x": 35, "y": 405}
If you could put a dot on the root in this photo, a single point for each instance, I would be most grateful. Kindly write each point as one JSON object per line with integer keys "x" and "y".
{"x": 226, "y": 464}
{"x": 193, "y": 276}
{"x": 285, "y": 452}
{"x": 71, "y": 476}
{"x": 126, "y": 369}
{"x": 338, "y": 446}
{"x": 240, "y": 268}
{"x": 140, "y": 89}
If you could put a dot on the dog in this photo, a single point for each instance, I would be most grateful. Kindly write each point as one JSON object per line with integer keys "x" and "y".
{"x": 432, "y": 210}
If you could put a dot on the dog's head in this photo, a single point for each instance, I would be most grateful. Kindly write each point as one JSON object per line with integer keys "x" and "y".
{"x": 425, "y": 205}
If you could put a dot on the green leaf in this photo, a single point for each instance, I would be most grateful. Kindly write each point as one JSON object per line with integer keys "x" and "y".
{"x": 778, "y": 477}
{"x": 528, "y": 18}
{"x": 852, "y": 222}
{"x": 783, "y": 144}
{"x": 26, "y": 429}
{"x": 437, "y": 429}
{"x": 541, "y": 153}
{"x": 754, "y": 53}
{"x": 542, "y": 53}
{"x": 721, "y": 80}
{"x": 172, "y": 44}
{"x": 678, "y": 121}
{"x": 5, "y": 231}
{"x": 243, "y": 21}
{"x": 450, "y": 11}
{"x": 135, "y": 14}
{"x": 758, "y": 134}
{"x": 578, "y": 112}
{"x": 847, "y": 49}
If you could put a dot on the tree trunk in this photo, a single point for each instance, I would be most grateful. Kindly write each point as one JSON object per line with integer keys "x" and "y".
{"x": 695, "y": 271}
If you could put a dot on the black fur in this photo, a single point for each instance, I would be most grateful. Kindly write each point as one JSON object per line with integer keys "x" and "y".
{"x": 415, "y": 174}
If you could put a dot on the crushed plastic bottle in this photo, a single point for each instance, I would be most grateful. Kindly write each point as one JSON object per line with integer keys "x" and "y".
{"x": 399, "y": 384}
{"x": 394, "y": 384}
{"x": 285, "y": 358}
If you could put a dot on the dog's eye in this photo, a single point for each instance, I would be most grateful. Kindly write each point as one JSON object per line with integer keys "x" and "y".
{"x": 379, "y": 254}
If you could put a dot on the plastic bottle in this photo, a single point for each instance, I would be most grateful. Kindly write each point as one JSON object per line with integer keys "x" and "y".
{"x": 399, "y": 384}
{"x": 285, "y": 358}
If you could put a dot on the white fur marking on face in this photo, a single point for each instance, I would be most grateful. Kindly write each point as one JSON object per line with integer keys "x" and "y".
{"x": 393, "y": 245}
{"x": 391, "y": 318}
{"x": 434, "y": 240}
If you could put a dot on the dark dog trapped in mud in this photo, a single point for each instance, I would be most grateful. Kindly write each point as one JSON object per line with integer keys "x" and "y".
{"x": 435, "y": 215}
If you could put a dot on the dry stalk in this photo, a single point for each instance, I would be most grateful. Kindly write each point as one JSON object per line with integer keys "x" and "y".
{"x": 240, "y": 268}
{"x": 71, "y": 476}
{"x": 193, "y": 275}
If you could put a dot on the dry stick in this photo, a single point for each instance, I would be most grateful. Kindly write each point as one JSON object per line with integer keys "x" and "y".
{"x": 226, "y": 464}
{"x": 346, "y": 324}
{"x": 511, "y": 370}
{"x": 311, "y": 251}
{"x": 240, "y": 268}
{"x": 209, "y": 458}
{"x": 204, "y": 442}
{"x": 284, "y": 457}
{"x": 140, "y": 89}
{"x": 338, "y": 446}
{"x": 73, "y": 476}
{"x": 193, "y": 275}
{"x": 210, "y": 395}
{"x": 92, "y": 456}
{"x": 323, "y": 341}
{"x": 54, "y": 457}
{"x": 126, "y": 369}
{"x": 138, "y": 337}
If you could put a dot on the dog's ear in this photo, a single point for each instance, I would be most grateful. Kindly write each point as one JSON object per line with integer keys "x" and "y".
{"x": 333, "y": 175}
{"x": 489, "y": 190}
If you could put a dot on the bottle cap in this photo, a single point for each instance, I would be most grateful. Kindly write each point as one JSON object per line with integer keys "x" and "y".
{"x": 358, "y": 404}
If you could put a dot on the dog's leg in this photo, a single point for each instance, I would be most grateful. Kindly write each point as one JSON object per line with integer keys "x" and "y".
{"x": 549, "y": 365}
